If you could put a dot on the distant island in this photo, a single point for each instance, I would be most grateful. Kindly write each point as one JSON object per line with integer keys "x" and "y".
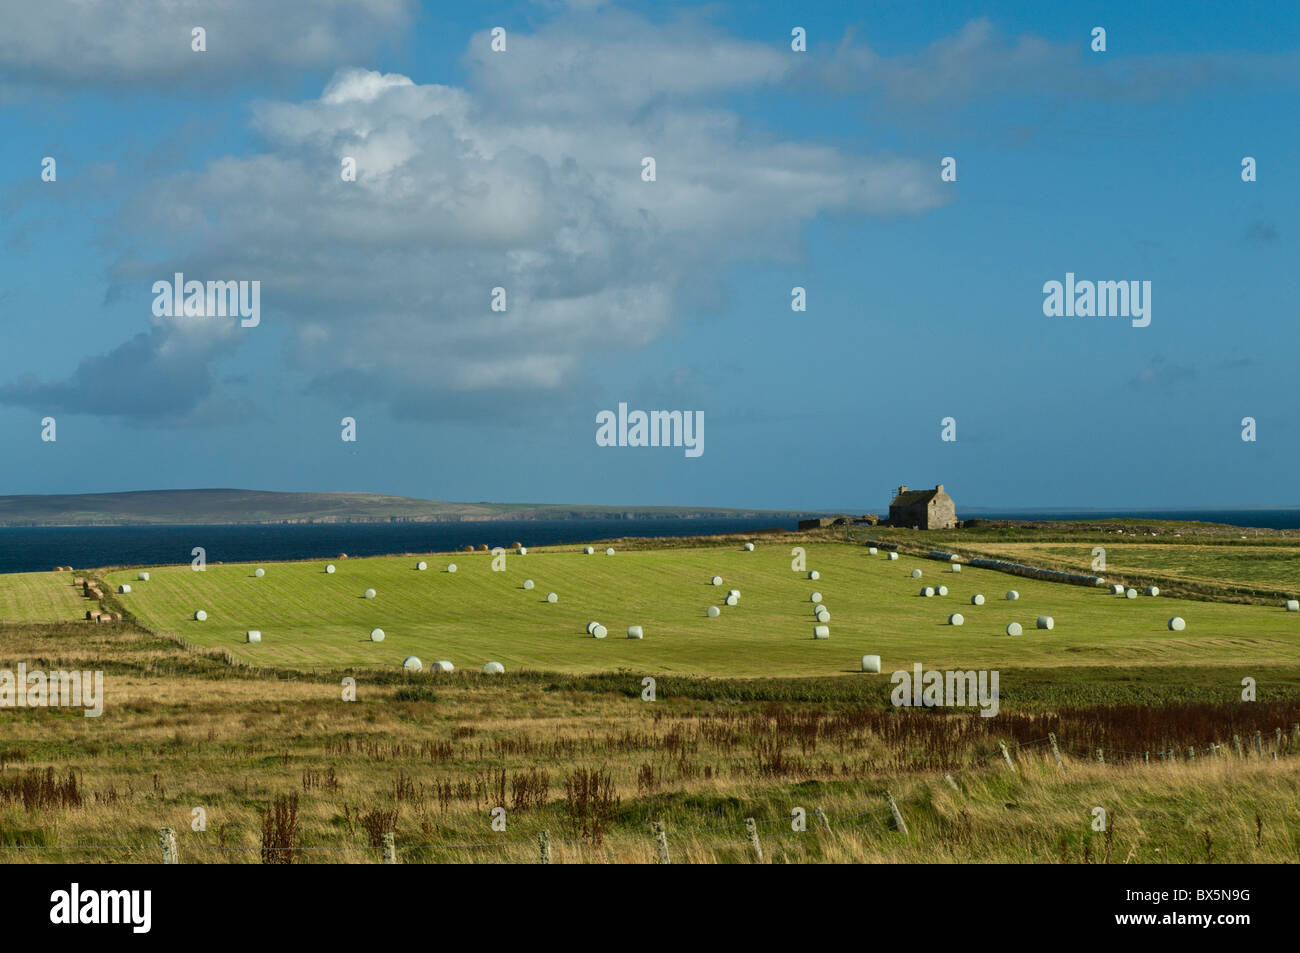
{"x": 223, "y": 506}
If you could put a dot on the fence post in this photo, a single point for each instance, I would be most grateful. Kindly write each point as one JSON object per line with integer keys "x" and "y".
{"x": 1259, "y": 742}
{"x": 1236, "y": 743}
{"x": 899, "y": 824}
{"x": 167, "y": 841}
{"x": 821, "y": 817}
{"x": 1191, "y": 753}
{"x": 1295, "y": 734}
{"x": 751, "y": 828}
{"x": 1101, "y": 757}
{"x": 1277, "y": 739}
{"x": 390, "y": 848}
{"x": 1056, "y": 752}
{"x": 1006, "y": 756}
{"x": 544, "y": 846}
{"x": 662, "y": 840}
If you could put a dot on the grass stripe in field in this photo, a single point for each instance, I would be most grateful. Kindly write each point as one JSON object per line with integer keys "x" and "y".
{"x": 310, "y": 619}
{"x": 40, "y": 597}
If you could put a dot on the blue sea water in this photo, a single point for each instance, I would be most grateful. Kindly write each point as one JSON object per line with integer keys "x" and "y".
{"x": 34, "y": 549}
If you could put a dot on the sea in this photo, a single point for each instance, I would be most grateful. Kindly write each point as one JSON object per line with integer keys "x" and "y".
{"x": 37, "y": 549}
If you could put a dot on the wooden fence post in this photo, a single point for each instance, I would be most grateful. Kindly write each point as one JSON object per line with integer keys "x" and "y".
{"x": 662, "y": 839}
{"x": 1056, "y": 752}
{"x": 1277, "y": 739}
{"x": 751, "y": 828}
{"x": 544, "y": 846}
{"x": 1236, "y": 743}
{"x": 1101, "y": 757}
{"x": 1259, "y": 742}
{"x": 1191, "y": 753}
{"x": 167, "y": 841}
{"x": 821, "y": 817}
{"x": 1006, "y": 756}
{"x": 390, "y": 848}
{"x": 899, "y": 824}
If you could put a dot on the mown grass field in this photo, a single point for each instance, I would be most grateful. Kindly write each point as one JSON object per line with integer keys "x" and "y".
{"x": 310, "y": 619}
{"x": 37, "y": 596}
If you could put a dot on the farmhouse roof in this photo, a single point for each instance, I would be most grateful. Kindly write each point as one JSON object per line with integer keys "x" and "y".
{"x": 915, "y": 497}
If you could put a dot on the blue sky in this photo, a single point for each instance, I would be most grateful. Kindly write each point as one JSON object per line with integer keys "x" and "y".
{"x": 775, "y": 169}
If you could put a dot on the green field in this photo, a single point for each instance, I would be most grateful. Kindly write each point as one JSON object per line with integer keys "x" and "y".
{"x": 313, "y": 620}
{"x": 38, "y": 596}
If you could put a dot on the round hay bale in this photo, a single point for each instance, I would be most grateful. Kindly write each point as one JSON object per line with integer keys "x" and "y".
{"x": 1153, "y": 590}
{"x": 733, "y": 600}
{"x": 1130, "y": 594}
{"x": 92, "y": 615}
{"x": 942, "y": 590}
{"x": 523, "y": 550}
{"x": 713, "y": 612}
{"x": 516, "y": 545}
{"x": 871, "y": 663}
{"x": 259, "y": 572}
{"x": 599, "y": 632}
{"x": 552, "y": 597}
{"x": 916, "y": 574}
{"x": 1117, "y": 590}
{"x": 1293, "y": 605}
{"x": 451, "y": 567}
{"x": 815, "y": 597}
{"x": 821, "y": 632}
{"x": 124, "y": 588}
{"x": 734, "y": 592}
{"x": 977, "y": 600}
{"x": 588, "y": 550}
{"x": 871, "y": 550}
{"x": 468, "y": 549}
{"x": 1046, "y": 622}
{"x": 749, "y": 547}
{"x": 591, "y": 626}
{"x": 814, "y": 574}
{"x": 1176, "y": 624}
{"x": 494, "y": 668}
{"x": 953, "y": 558}
{"x": 376, "y": 635}
{"x": 716, "y": 581}
{"x": 253, "y": 636}
{"x": 528, "y": 584}
{"x": 635, "y": 632}
{"x": 927, "y": 591}
{"x": 823, "y": 614}
{"x": 200, "y": 616}
{"x": 1013, "y": 628}
{"x": 1099, "y": 580}
{"x": 956, "y": 567}
{"x": 893, "y": 556}
{"x": 422, "y": 565}
{"x": 370, "y": 593}
{"x": 956, "y": 619}
{"x": 610, "y": 551}
{"x": 142, "y": 576}
{"x": 1012, "y": 595}
{"x": 442, "y": 666}
{"x": 412, "y": 663}
{"x": 330, "y": 569}
{"x": 341, "y": 556}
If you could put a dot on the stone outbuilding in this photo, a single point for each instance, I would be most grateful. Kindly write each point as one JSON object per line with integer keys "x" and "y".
{"x": 923, "y": 509}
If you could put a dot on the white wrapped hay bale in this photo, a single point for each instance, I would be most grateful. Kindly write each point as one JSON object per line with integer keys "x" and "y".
{"x": 749, "y": 547}
{"x": 821, "y": 632}
{"x": 253, "y": 636}
{"x": 916, "y": 574}
{"x": 588, "y": 550}
{"x": 977, "y": 600}
{"x": 956, "y": 619}
{"x": 956, "y": 567}
{"x": 713, "y": 612}
{"x": 528, "y": 584}
{"x": 412, "y": 663}
{"x": 893, "y": 556}
{"x": 452, "y": 567}
{"x": 200, "y": 616}
{"x": 142, "y": 576}
{"x": 1117, "y": 590}
{"x": 871, "y": 663}
{"x": 610, "y": 551}
{"x": 1293, "y": 605}
{"x": 442, "y": 666}
{"x": 715, "y": 581}
{"x": 822, "y": 614}
{"x": 942, "y": 590}
{"x": 376, "y": 635}
{"x": 259, "y": 572}
{"x": 591, "y": 626}
{"x": 927, "y": 591}
{"x": 733, "y": 599}
{"x": 599, "y": 632}
{"x": 522, "y": 550}
{"x": 1176, "y": 624}
{"x": 815, "y": 597}
{"x": 330, "y": 569}
{"x": 1046, "y": 622}
{"x": 422, "y": 565}
{"x": 1130, "y": 594}
{"x": 1013, "y": 628}
{"x": 1153, "y": 590}
{"x": 124, "y": 588}
{"x": 1012, "y": 595}
{"x": 814, "y": 574}
{"x": 734, "y": 592}
{"x": 370, "y": 593}
{"x": 635, "y": 632}
{"x": 871, "y": 550}
{"x": 494, "y": 668}
{"x": 552, "y": 597}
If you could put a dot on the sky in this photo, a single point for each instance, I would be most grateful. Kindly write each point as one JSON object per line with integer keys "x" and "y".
{"x": 774, "y": 168}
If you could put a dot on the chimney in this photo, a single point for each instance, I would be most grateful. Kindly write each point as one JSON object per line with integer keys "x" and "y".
{"x": 902, "y": 490}
{"x": 939, "y": 488}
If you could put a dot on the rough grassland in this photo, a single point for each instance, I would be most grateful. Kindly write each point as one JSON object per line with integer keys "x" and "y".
{"x": 311, "y": 620}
